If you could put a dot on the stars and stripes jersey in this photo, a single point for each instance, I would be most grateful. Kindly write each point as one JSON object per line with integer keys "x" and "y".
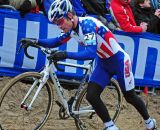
{"x": 92, "y": 32}
{"x": 89, "y": 32}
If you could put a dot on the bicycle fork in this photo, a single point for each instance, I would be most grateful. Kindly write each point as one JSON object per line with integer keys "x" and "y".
{"x": 42, "y": 82}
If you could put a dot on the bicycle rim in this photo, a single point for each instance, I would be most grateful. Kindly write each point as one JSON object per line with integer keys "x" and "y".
{"x": 15, "y": 117}
{"x": 112, "y": 98}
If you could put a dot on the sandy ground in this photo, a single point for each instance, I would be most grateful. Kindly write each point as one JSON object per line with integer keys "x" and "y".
{"x": 129, "y": 119}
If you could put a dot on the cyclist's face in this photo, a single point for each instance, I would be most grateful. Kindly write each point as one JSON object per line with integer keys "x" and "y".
{"x": 59, "y": 22}
{"x": 64, "y": 24}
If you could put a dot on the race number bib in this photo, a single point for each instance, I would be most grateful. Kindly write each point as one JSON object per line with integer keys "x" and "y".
{"x": 90, "y": 39}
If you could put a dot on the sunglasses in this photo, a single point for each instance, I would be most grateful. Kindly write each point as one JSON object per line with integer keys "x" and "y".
{"x": 59, "y": 22}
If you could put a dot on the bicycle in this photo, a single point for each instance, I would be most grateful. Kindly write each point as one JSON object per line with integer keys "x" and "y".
{"x": 27, "y": 99}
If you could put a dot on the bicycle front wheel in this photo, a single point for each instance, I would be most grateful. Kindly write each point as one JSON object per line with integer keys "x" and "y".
{"x": 14, "y": 114}
{"x": 112, "y": 98}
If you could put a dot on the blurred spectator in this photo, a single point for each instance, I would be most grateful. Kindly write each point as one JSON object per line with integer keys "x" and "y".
{"x": 95, "y": 7}
{"x": 78, "y": 7}
{"x": 143, "y": 12}
{"x": 25, "y": 6}
{"x": 4, "y": 2}
{"x": 40, "y": 6}
{"x": 98, "y": 9}
{"x": 155, "y": 4}
{"x": 123, "y": 15}
{"x": 83, "y": 7}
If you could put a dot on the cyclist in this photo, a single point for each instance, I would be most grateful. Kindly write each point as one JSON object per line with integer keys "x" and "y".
{"x": 111, "y": 59}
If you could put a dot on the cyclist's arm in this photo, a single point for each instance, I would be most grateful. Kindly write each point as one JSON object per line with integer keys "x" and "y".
{"x": 89, "y": 41}
{"x": 50, "y": 43}
{"x": 88, "y": 54}
{"x": 54, "y": 42}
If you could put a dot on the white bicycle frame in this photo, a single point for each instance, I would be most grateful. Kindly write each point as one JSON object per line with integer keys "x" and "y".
{"x": 50, "y": 71}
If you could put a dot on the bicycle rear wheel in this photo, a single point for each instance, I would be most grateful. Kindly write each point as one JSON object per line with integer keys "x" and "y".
{"x": 13, "y": 114}
{"x": 112, "y": 98}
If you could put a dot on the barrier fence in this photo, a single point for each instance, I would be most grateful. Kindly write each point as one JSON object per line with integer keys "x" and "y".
{"x": 143, "y": 48}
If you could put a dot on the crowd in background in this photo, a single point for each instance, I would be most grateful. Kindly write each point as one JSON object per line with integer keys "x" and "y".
{"x": 136, "y": 16}
{"x": 24, "y": 6}
{"x": 130, "y": 16}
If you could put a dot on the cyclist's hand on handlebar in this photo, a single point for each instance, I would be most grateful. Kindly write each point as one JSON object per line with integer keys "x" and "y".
{"x": 58, "y": 55}
{"x": 28, "y": 42}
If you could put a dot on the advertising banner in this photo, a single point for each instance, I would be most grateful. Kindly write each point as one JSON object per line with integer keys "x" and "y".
{"x": 143, "y": 48}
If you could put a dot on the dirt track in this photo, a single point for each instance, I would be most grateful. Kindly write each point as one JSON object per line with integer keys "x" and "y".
{"x": 128, "y": 119}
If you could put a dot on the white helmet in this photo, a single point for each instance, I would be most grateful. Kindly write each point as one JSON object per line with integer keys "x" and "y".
{"x": 59, "y": 9}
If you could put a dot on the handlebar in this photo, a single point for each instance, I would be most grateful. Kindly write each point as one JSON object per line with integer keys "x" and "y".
{"x": 26, "y": 51}
{"x": 46, "y": 51}
{"x": 49, "y": 51}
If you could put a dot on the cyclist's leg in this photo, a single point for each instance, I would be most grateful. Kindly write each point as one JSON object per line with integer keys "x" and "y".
{"x": 93, "y": 96}
{"x": 99, "y": 79}
{"x": 126, "y": 81}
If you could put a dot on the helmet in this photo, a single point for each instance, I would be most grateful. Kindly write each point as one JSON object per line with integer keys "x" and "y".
{"x": 59, "y": 9}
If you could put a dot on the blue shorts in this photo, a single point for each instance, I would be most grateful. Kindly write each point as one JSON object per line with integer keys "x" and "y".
{"x": 119, "y": 65}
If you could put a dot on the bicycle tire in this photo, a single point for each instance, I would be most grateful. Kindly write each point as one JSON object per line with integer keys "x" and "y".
{"x": 11, "y": 96}
{"x": 114, "y": 103}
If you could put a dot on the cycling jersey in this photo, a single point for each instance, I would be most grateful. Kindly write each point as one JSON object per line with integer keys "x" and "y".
{"x": 111, "y": 58}
{"x": 90, "y": 32}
